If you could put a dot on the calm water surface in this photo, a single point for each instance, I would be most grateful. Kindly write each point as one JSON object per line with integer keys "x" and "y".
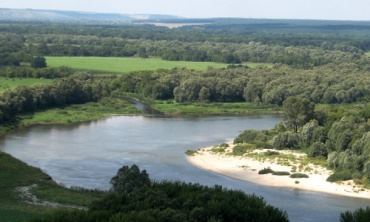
{"x": 88, "y": 155}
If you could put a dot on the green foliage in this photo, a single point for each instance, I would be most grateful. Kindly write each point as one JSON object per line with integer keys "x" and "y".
{"x": 251, "y": 136}
{"x": 38, "y": 62}
{"x": 265, "y": 171}
{"x": 79, "y": 113}
{"x": 14, "y": 173}
{"x": 299, "y": 175}
{"x": 280, "y": 173}
{"x": 171, "y": 201}
{"x": 241, "y": 149}
{"x": 297, "y": 111}
{"x": 128, "y": 179}
{"x": 341, "y": 175}
{"x": 360, "y": 215}
{"x": 286, "y": 140}
{"x": 191, "y": 152}
{"x": 318, "y": 149}
{"x": 7, "y": 84}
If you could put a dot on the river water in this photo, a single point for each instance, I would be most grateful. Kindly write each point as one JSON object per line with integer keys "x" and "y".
{"x": 88, "y": 155}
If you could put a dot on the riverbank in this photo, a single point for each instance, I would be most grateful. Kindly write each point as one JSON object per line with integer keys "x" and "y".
{"x": 171, "y": 108}
{"x": 249, "y": 166}
{"x": 43, "y": 194}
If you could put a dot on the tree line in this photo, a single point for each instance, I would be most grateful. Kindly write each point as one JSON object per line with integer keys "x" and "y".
{"x": 134, "y": 197}
{"x": 77, "y": 90}
{"x": 332, "y": 84}
{"x": 339, "y": 134}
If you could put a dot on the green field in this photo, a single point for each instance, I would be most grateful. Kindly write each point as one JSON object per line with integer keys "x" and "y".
{"x": 367, "y": 53}
{"x": 11, "y": 83}
{"x": 126, "y": 64}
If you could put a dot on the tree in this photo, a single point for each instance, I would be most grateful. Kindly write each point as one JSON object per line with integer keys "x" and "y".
{"x": 129, "y": 179}
{"x": 298, "y": 111}
{"x": 360, "y": 215}
{"x": 38, "y": 62}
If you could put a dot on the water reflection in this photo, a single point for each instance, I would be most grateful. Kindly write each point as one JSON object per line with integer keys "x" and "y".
{"x": 89, "y": 155}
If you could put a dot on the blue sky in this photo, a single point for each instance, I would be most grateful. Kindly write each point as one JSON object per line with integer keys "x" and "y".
{"x": 302, "y": 9}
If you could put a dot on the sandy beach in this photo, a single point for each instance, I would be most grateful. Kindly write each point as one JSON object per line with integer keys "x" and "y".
{"x": 246, "y": 168}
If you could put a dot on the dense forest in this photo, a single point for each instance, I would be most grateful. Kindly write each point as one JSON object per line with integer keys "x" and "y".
{"x": 319, "y": 77}
{"x": 146, "y": 41}
{"x": 331, "y": 84}
{"x": 134, "y": 197}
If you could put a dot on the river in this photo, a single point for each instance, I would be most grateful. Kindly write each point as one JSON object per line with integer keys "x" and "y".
{"x": 88, "y": 155}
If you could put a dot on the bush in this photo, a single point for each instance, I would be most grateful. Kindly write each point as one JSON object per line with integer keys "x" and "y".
{"x": 318, "y": 149}
{"x": 286, "y": 140}
{"x": 299, "y": 175}
{"x": 191, "y": 152}
{"x": 241, "y": 149}
{"x": 251, "y": 136}
{"x": 280, "y": 173}
{"x": 265, "y": 171}
{"x": 342, "y": 175}
{"x": 271, "y": 153}
{"x": 360, "y": 215}
{"x": 218, "y": 149}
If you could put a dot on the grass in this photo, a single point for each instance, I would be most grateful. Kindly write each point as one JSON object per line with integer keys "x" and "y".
{"x": 80, "y": 113}
{"x": 14, "y": 173}
{"x": 11, "y": 83}
{"x": 126, "y": 64}
{"x": 367, "y": 54}
{"x": 202, "y": 109}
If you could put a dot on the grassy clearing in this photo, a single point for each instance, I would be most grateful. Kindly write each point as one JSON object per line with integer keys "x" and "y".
{"x": 14, "y": 173}
{"x": 11, "y": 83}
{"x": 202, "y": 109}
{"x": 80, "y": 113}
{"x": 126, "y": 64}
{"x": 368, "y": 54}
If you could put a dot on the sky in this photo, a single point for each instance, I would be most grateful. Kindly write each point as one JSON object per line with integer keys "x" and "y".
{"x": 287, "y": 9}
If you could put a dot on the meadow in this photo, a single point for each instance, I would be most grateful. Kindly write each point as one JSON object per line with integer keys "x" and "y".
{"x": 171, "y": 108}
{"x": 126, "y": 64}
{"x": 11, "y": 83}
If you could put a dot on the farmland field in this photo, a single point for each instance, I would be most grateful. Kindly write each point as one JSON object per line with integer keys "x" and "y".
{"x": 11, "y": 83}
{"x": 126, "y": 64}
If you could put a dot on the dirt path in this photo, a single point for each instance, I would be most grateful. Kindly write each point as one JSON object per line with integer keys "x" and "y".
{"x": 26, "y": 195}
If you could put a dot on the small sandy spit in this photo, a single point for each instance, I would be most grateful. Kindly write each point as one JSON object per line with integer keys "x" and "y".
{"x": 246, "y": 168}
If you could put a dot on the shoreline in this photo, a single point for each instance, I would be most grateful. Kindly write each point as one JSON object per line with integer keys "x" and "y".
{"x": 246, "y": 169}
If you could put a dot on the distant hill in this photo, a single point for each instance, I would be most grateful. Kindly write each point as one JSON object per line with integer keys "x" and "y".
{"x": 36, "y": 15}
{"x": 75, "y": 16}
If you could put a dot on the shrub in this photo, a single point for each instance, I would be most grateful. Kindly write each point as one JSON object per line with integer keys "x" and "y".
{"x": 241, "y": 149}
{"x": 218, "y": 149}
{"x": 318, "y": 149}
{"x": 299, "y": 175}
{"x": 265, "y": 171}
{"x": 224, "y": 145}
{"x": 286, "y": 140}
{"x": 251, "y": 136}
{"x": 280, "y": 173}
{"x": 271, "y": 153}
{"x": 342, "y": 175}
{"x": 191, "y": 152}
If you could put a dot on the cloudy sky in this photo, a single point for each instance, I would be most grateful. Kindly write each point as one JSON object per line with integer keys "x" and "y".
{"x": 302, "y": 9}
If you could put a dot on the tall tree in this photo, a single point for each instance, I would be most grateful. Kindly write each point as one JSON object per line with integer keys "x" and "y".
{"x": 298, "y": 111}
